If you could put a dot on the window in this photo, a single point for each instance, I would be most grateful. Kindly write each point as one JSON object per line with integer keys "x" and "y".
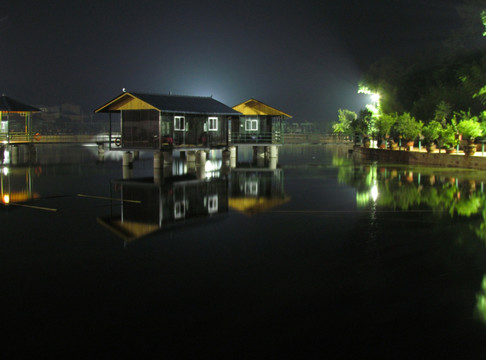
{"x": 213, "y": 124}
{"x": 212, "y": 204}
{"x": 179, "y": 123}
{"x": 251, "y": 125}
{"x": 180, "y": 209}
{"x": 251, "y": 188}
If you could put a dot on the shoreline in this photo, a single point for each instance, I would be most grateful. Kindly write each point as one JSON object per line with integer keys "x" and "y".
{"x": 476, "y": 162}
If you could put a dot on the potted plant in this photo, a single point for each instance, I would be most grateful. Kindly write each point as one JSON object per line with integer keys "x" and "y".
{"x": 448, "y": 137}
{"x": 360, "y": 125}
{"x": 431, "y": 133}
{"x": 408, "y": 128}
{"x": 383, "y": 125}
{"x": 470, "y": 129}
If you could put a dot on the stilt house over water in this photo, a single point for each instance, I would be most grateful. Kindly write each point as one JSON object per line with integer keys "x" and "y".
{"x": 15, "y": 120}
{"x": 158, "y": 122}
{"x": 259, "y": 124}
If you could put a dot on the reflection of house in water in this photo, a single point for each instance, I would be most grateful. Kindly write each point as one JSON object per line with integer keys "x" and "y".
{"x": 254, "y": 190}
{"x": 146, "y": 207}
{"x": 16, "y": 184}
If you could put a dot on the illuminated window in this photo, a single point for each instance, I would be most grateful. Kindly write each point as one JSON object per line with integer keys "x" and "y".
{"x": 212, "y": 204}
{"x": 251, "y": 188}
{"x": 179, "y": 123}
{"x": 180, "y": 209}
{"x": 251, "y": 124}
{"x": 213, "y": 124}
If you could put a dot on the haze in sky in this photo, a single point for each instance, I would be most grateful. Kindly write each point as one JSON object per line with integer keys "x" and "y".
{"x": 302, "y": 57}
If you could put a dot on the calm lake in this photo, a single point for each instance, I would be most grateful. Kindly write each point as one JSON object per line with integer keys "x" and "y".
{"x": 317, "y": 258}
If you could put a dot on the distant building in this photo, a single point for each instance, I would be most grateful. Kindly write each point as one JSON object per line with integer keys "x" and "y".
{"x": 154, "y": 121}
{"x": 301, "y": 128}
{"x": 65, "y": 118}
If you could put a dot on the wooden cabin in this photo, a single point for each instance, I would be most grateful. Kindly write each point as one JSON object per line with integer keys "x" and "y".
{"x": 153, "y": 121}
{"x": 15, "y": 121}
{"x": 258, "y": 124}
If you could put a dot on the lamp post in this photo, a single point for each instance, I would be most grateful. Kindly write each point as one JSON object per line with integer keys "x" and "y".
{"x": 374, "y": 108}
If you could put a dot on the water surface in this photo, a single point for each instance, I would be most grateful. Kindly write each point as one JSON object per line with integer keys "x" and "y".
{"x": 321, "y": 257}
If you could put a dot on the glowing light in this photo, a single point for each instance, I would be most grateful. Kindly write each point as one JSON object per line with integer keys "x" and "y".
{"x": 212, "y": 165}
{"x": 375, "y": 97}
{"x": 6, "y": 199}
{"x": 374, "y": 192}
{"x": 5, "y": 171}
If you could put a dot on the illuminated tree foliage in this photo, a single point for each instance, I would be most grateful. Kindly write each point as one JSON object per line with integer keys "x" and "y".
{"x": 432, "y": 86}
{"x": 345, "y": 120}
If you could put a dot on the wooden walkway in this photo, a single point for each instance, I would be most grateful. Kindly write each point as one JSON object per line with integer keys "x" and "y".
{"x": 18, "y": 139}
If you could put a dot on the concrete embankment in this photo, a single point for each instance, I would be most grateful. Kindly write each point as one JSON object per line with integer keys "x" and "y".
{"x": 477, "y": 162}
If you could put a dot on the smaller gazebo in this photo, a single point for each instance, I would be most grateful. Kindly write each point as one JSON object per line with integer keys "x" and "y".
{"x": 15, "y": 120}
{"x": 259, "y": 123}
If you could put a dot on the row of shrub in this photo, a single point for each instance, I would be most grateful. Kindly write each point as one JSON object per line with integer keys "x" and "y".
{"x": 440, "y": 131}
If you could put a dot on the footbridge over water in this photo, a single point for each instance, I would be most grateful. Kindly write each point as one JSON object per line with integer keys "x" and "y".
{"x": 38, "y": 138}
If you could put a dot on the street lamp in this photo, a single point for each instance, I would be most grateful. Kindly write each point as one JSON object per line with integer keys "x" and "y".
{"x": 375, "y": 98}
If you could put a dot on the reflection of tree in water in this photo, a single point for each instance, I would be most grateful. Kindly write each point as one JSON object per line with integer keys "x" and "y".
{"x": 407, "y": 189}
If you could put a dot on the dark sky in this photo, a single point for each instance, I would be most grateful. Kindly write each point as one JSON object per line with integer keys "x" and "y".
{"x": 303, "y": 57}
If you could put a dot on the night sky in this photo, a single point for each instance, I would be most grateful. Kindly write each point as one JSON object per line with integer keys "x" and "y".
{"x": 302, "y": 57}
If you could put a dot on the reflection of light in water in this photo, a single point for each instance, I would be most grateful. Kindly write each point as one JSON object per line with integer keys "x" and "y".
{"x": 179, "y": 167}
{"x": 362, "y": 198}
{"x": 107, "y": 155}
{"x": 212, "y": 165}
{"x": 374, "y": 192}
{"x": 481, "y": 301}
{"x": 212, "y": 168}
{"x": 6, "y": 157}
{"x": 5, "y": 171}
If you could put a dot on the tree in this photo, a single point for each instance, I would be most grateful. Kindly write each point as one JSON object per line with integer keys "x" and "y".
{"x": 407, "y": 127}
{"x": 469, "y": 126}
{"x": 384, "y": 123}
{"x": 442, "y": 112}
{"x": 431, "y": 132}
{"x": 361, "y": 124}
{"x": 345, "y": 119}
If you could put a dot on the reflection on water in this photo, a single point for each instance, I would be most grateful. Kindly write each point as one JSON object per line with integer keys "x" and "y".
{"x": 146, "y": 207}
{"x": 442, "y": 192}
{"x": 256, "y": 190}
{"x": 17, "y": 184}
{"x": 408, "y": 189}
{"x": 186, "y": 191}
{"x": 337, "y": 258}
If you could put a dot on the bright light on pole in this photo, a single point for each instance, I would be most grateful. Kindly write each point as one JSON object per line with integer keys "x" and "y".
{"x": 375, "y": 98}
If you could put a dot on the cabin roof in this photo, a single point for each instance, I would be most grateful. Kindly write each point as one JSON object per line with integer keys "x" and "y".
{"x": 167, "y": 103}
{"x": 255, "y": 107}
{"x": 251, "y": 206}
{"x": 10, "y": 105}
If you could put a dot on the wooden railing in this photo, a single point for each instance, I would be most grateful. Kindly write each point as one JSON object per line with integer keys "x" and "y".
{"x": 37, "y": 138}
{"x": 274, "y": 137}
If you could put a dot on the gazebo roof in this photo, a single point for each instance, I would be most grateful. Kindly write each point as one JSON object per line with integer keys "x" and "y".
{"x": 255, "y": 107}
{"x": 13, "y": 106}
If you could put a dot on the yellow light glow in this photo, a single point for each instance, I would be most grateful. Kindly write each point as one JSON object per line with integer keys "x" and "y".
{"x": 6, "y": 199}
